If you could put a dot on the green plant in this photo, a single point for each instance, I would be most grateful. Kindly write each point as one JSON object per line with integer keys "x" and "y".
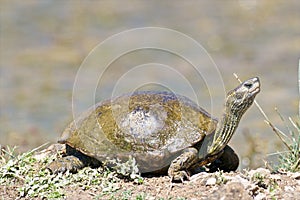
{"x": 221, "y": 179}
{"x": 259, "y": 179}
{"x": 33, "y": 179}
{"x": 264, "y": 180}
{"x": 290, "y": 159}
{"x": 141, "y": 196}
{"x": 126, "y": 169}
{"x": 16, "y": 166}
{"x": 126, "y": 195}
{"x": 23, "y": 169}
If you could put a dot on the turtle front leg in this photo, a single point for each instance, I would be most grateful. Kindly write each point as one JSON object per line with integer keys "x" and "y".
{"x": 179, "y": 166}
{"x": 68, "y": 163}
{"x": 228, "y": 161}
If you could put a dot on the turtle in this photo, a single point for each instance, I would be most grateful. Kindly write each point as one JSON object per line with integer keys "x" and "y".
{"x": 163, "y": 131}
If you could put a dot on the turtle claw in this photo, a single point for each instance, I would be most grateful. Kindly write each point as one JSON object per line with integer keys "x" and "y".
{"x": 179, "y": 166}
{"x": 180, "y": 176}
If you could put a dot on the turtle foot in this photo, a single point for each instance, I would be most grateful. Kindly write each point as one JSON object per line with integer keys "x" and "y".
{"x": 68, "y": 163}
{"x": 179, "y": 176}
{"x": 178, "y": 168}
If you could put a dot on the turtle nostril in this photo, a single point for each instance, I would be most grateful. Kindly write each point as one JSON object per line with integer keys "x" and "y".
{"x": 248, "y": 85}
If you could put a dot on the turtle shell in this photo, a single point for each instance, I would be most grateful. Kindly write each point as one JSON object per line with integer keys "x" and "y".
{"x": 153, "y": 127}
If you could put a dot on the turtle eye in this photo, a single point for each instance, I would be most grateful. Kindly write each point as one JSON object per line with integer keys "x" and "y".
{"x": 248, "y": 85}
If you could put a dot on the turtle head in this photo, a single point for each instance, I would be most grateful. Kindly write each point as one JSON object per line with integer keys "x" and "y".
{"x": 237, "y": 102}
{"x": 241, "y": 98}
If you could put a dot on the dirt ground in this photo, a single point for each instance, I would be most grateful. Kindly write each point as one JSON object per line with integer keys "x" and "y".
{"x": 233, "y": 185}
{"x": 254, "y": 184}
{"x": 258, "y": 184}
{"x": 207, "y": 186}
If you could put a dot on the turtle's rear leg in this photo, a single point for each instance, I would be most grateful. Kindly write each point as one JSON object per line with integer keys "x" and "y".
{"x": 228, "y": 161}
{"x": 68, "y": 163}
{"x": 74, "y": 161}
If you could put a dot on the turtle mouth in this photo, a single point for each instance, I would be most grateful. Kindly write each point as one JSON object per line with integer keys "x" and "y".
{"x": 255, "y": 89}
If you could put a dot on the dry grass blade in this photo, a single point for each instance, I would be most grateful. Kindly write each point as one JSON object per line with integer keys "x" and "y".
{"x": 33, "y": 150}
{"x": 299, "y": 84}
{"x": 297, "y": 164}
{"x": 284, "y": 122}
{"x": 279, "y": 133}
{"x": 295, "y": 124}
{"x": 7, "y": 153}
{"x": 296, "y": 127}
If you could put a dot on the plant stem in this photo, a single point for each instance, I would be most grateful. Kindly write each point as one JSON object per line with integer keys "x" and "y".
{"x": 299, "y": 84}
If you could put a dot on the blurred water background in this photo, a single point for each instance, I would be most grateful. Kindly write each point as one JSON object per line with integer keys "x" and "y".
{"x": 43, "y": 43}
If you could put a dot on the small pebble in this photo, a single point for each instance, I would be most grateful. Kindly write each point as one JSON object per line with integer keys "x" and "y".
{"x": 211, "y": 181}
{"x": 260, "y": 196}
{"x": 296, "y": 175}
{"x": 288, "y": 188}
{"x": 275, "y": 176}
{"x": 262, "y": 171}
{"x": 246, "y": 183}
{"x": 200, "y": 176}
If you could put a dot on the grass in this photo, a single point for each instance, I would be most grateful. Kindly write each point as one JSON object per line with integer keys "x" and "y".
{"x": 33, "y": 179}
{"x": 289, "y": 160}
